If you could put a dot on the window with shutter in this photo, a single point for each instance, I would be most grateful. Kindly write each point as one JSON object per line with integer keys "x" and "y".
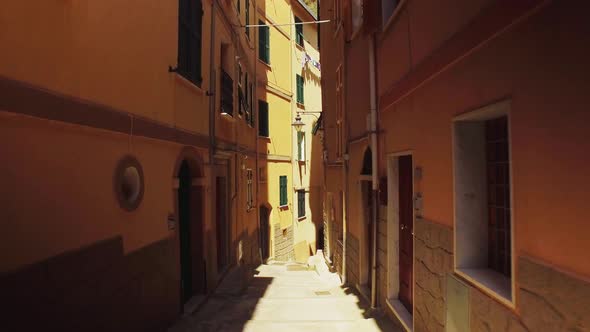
{"x": 298, "y": 31}
{"x": 300, "y": 89}
{"x": 301, "y": 146}
{"x": 238, "y": 5}
{"x": 263, "y": 129}
{"x": 227, "y": 93}
{"x": 250, "y": 107}
{"x": 190, "y": 15}
{"x": 300, "y": 203}
{"x": 283, "y": 190}
{"x": 264, "y": 43}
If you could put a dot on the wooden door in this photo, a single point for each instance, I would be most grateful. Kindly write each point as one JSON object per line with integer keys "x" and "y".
{"x": 264, "y": 231}
{"x": 406, "y": 238}
{"x": 368, "y": 192}
{"x": 222, "y": 222}
{"x": 184, "y": 217}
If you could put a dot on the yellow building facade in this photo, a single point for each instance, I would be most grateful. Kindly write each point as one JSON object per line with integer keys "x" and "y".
{"x": 286, "y": 213}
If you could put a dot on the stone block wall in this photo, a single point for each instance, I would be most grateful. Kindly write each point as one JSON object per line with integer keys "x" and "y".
{"x": 283, "y": 250}
{"x": 549, "y": 300}
{"x": 352, "y": 259}
{"x": 433, "y": 245}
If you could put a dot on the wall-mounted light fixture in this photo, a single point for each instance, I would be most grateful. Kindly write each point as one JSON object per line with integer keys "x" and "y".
{"x": 298, "y": 124}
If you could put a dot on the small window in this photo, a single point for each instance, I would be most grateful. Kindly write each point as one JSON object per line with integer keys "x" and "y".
{"x": 264, "y": 43}
{"x": 250, "y": 92}
{"x": 483, "y": 214}
{"x": 300, "y": 203}
{"x": 301, "y": 146}
{"x": 238, "y": 5}
{"x": 298, "y": 31}
{"x": 283, "y": 201}
{"x": 249, "y": 195}
{"x": 388, "y": 7}
{"x": 190, "y": 15}
{"x": 227, "y": 94}
{"x": 300, "y": 89}
{"x": 263, "y": 129}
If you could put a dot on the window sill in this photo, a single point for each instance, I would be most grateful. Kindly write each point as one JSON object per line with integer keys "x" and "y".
{"x": 402, "y": 314}
{"x": 227, "y": 117}
{"x": 264, "y": 137}
{"x": 265, "y": 64}
{"x": 283, "y": 207}
{"x": 300, "y": 47}
{"x": 189, "y": 84}
{"x": 491, "y": 282}
{"x": 301, "y": 105}
{"x": 301, "y": 218}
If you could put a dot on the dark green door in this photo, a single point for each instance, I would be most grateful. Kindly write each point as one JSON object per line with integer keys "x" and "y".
{"x": 184, "y": 199}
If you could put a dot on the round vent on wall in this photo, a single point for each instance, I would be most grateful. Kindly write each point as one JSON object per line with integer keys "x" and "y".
{"x": 128, "y": 183}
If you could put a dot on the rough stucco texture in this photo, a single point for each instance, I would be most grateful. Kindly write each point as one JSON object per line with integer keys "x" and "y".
{"x": 283, "y": 244}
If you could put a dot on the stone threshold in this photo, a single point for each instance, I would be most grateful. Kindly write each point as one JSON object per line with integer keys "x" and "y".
{"x": 402, "y": 314}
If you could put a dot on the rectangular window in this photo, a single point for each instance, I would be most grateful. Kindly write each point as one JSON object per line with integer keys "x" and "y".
{"x": 263, "y": 129}
{"x": 300, "y": 89}
{"x": 249, "y": 195}
{"x": 238, "y": 5}
{"x": 482, "y": 198}
{"x": 300, "y": 203}
{"x": 264, "y": 43}
{"x": 190, "y": 15}
{"x": 283, "y": 190}
{"x": 227, "y": 93}
{"x": 244, "y": 102}
{"x": 247, "y": 18}
{"x": 301, "y": 146}
{"x": 298, "y": 31}
{"x": 498, "y": 195}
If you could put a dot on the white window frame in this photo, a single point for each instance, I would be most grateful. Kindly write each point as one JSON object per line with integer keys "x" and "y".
{"x": 470, "y": 204}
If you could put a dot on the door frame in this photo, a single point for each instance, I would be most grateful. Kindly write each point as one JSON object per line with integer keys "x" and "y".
{"x": 393, "y": 219}
{"x": 364, "y": 267}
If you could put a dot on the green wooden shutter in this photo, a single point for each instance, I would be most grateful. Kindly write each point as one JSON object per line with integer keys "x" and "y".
{"x": 300, "y": 203}
{"x": 300, "y": 89}
{"x": 264, "y": 43}
{"x": 283, "y": 190}
{"x": 298, "y": 31}
{"x": 263, "y": 129}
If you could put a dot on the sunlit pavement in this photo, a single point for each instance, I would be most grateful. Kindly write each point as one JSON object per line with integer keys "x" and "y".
{"x": 286, "y": 297}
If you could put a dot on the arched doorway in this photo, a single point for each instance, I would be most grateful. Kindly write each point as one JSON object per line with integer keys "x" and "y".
{"x": 189, "y": 204}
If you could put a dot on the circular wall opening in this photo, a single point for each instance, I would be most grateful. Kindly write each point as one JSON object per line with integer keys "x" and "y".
{"x": 129, "y": 183}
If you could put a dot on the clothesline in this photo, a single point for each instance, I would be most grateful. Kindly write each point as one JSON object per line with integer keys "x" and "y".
{"x": 283, "y": 24}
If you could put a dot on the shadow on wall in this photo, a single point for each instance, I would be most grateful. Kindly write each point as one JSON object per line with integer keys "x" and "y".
{"x": 96, "y": 288}
{"x": 316, "y": 184}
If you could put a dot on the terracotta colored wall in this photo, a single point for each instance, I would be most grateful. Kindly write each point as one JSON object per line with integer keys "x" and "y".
{"x": 99, "y": 51}
{"x": 538, "y": 65}
{"x": 58, "y": 193}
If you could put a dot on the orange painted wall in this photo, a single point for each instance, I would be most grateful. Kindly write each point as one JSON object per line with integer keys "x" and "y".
{"x": 539, "y": 66}
{"x": 111, "y": 52}
{"x": 58, "y": 192}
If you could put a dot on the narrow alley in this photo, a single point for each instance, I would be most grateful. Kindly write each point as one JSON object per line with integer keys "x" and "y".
{"x": 283, "y": 297}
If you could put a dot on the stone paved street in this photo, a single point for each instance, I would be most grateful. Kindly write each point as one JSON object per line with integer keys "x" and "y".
{"x": 284, "y": 298}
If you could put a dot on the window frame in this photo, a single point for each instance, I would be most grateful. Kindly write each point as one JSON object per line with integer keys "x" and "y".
{"x": 190, "y": 41}
{"x": 470, "y": 223}
{"x": 264, "y": 42}
{"x": 283, "y": 192}
{"x": 300, "y": 83}
{"x": 263, "y": 119}
{"x": 299, "y": 32}
{"x": 301, "y": 208}
{"x": 301, "y": 146}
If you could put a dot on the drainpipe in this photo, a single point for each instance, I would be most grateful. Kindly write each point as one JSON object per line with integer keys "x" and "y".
{"x": 212, "y": 95}
{"x": 375, "y": 166}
